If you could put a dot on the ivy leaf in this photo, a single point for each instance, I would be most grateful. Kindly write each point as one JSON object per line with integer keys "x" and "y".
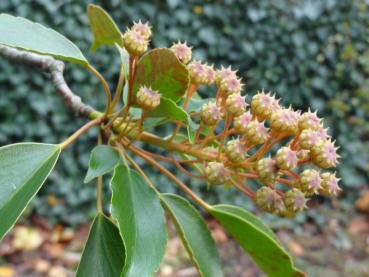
{"x": 103, "y": 27}
{"x": 24, "y": 167}
{"x": 257, "y": 240}
{"x": 21, "y": 33}
{"x": 104, "y": 251}
{"x": 103, "y": 160}
{"x": 161, "y": 70}
{"x": 195, "y": 235}
{"x": 141, "y": 222}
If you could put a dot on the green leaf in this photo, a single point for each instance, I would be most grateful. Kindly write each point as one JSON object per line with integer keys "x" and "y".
{"x": 103, "y": 160}
{"x": 141, "y": 221}
{"x": 169, "y": 109}
{"x": 104, "y": 251}
{"x": 21, "y": 33}
{"x": 161, "y": 70}
{"x": 257, "y": 240}
{"x": 24, "y": 167}
{"x": 103, "y": 27}
{"x": 195, "y": 235}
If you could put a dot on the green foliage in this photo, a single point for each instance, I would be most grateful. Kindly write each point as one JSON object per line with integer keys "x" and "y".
{"x": 103, "y": 27}
{"x": 104, "y": 251}
{"x": 194, "y": 234}
{"x": 22, "y": 33}
{"x": 103, "y": 160}
{"x": 256, "y": 240}
{"x": 140, "y": 218}
{"x": 24, "y": 168}
{"x": 162, "y": 71}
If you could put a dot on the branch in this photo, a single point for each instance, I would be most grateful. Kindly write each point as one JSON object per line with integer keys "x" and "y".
{"x": 55, "y": 68}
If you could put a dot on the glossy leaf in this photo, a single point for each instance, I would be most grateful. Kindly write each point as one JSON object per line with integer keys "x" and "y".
{"x": 141, "y": 221}
{"x": 256, "y": 239}
{"x": 103, "y": 27}
{"x": 169, "y": 109}
{"x": 161, "y": 70}
{"x": 103, "y": 160}
{"x": 104, "y": 251}
{"x": 24, "y": 167}
{"x": 195, "y": 235}
{"x": 21, "y": 33}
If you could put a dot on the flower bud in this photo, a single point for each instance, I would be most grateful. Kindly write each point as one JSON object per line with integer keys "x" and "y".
{"x": 286, "y": 158}
{"x": 235, "y": 151}
{"x": 231, "y": 85}
{"x": 294, "y": 200}
{"x": 198, "y": 72}
{"x": 216, "y": 173}
{"x": 209, "y": 75}
{"x": 329, "y": 184}
{"x": 268, "y": 199}
{"x": 241, "y": 122}
{"x": 147, "y": 98}
{"x": 309, "y": 181}
{"x": 285, "y": 120}
{"x": 134, "y": 42}
{"x": 182, "y": 51}
{"x": 303, "y": 155}
{"x": 256, "y": 133}
{"x": 224, "y": 73}
{"x": 264, "y": 105}
{"x": 267, "y": 170}
{"x": 310, "y": 121}
{"x": 236, "y": 104}
{"x": 308, "y": 138}
{"x": 211, "y": 113}
{"x": 324, "y": 154}
{"x": 142, "y": 28}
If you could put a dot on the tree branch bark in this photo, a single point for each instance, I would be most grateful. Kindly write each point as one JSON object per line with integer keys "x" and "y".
{"x": 55, "y": 69}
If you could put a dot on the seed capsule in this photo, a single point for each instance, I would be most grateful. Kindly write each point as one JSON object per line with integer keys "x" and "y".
{"x": 182, "y": 51}
{"x": 264, "y": 105}
{"x": 329, "y": 183}
{"x": 241, "y": 122}
{"x": 324, "y": 154}
{"x": 216, "y": 173}
{"x": 286, "y": 158}
{"x": 147, "y": 98}
{"x": 235, "y": 151}
{"x": 134, "y": 42}
{"x": 268, "y": 199}
{"x": 256, "y": 133}
{"x": 211, "y": 113}
{"x": 267, "y": 170}
{"x": 309, "y": 181}
{"x": 285, "y": 120}
{"x": 236, "y": 104}
{"x": 294, "y": 200}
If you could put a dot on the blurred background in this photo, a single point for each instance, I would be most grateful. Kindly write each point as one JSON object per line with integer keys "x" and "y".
{"x": 312, "y": 53}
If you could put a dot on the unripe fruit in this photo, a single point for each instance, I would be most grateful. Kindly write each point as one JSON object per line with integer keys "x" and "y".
{"x": 182, "y": 51}
{"x": 268, "y": 199}
{"x": 147, "y": 98}
{"x": 285, "y": 120}
{"x": 309, "y": 181}
{"x": 134, "y": 42}
{"x": 310, "y": 121}
{"x": 211, "y": 113}
{"x": 324, "y": 154}
{"x": 267, "y": 170}
{"x": 216, "y": 173}
{"x": 329, "y": 184}
{"x": 256, "y": 133}
{"x": 197, "y": 71}
{"x": 235, "y": 151}
{"x": 236, "y": 104}
{"x": 231, "y": 85}
{"x": 224, "y": 73}
{"x": 142, "y": 28}
{"x": 294, "y": 200}
{"x": 264, "y": 105}
{"x": 286, "y": 158}
{"x": 308, "y": 138}
{"x": 241, "y": 122}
